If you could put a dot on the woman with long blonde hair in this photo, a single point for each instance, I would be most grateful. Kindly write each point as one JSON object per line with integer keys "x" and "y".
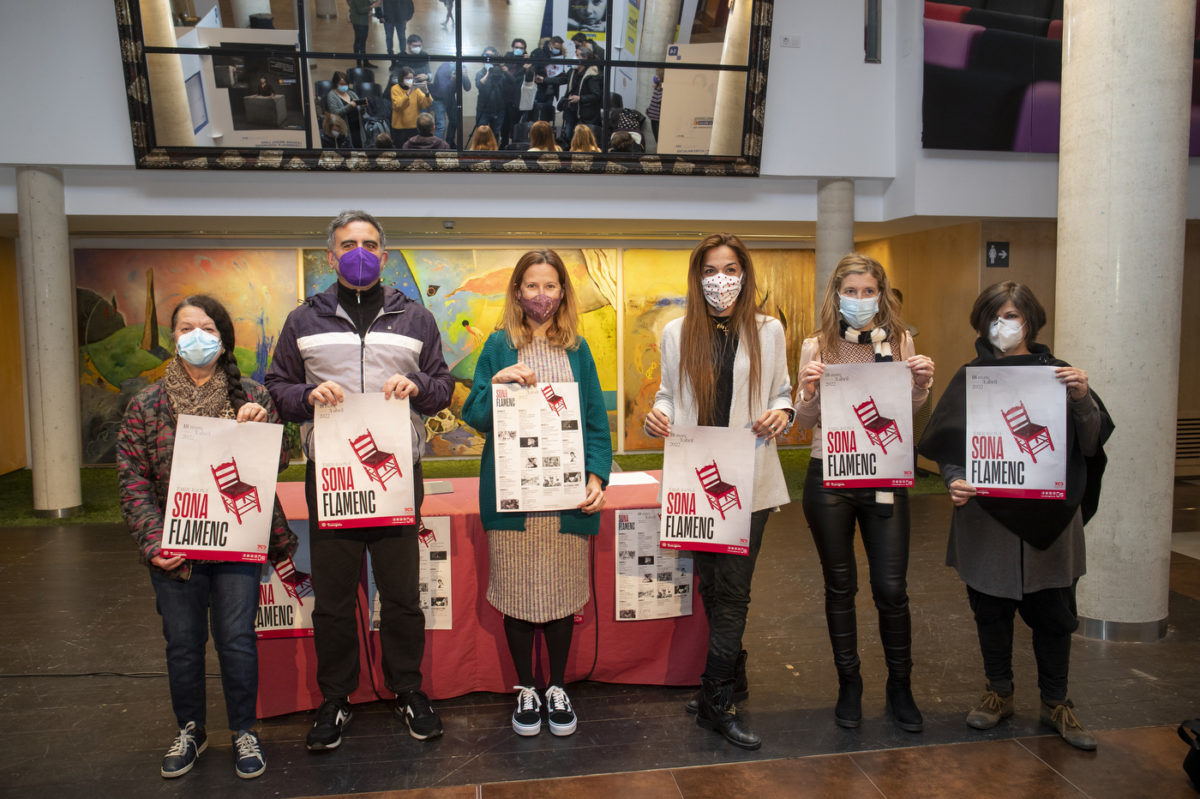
{"x": 584, "y": 141}
{"x": 860, "y": 323}
{"x": 725, "y": 365}
{"x": 539, "y": 560}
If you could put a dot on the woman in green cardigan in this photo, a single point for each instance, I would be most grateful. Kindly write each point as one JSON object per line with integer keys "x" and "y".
{"x": 539, "y": 561}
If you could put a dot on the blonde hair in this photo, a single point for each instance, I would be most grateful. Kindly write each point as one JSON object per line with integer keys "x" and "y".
{"x": 830, "y": 315}
{"x": 483, "y": 139}
{"x": 698, "y": 344}
{"x": 564, "y": 326}
{"x": 584, "y": 141}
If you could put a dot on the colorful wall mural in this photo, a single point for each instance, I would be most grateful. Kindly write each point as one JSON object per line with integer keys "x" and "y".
{"x": 463, "y": 288}
{"x": 124, "y": 300}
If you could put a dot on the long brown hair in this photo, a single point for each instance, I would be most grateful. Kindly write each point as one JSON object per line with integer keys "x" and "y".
{"x": 889, "y": 309}
{"x": 564, "y": 327}
{"x": 699, "y": 343}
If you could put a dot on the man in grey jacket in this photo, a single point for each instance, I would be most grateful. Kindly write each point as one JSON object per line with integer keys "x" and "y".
{"x": 360, "y": 336}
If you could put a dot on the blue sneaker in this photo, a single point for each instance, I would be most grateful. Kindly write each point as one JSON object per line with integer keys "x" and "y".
{"x": 182, "y": 755}
{"x": 247, "y": 751}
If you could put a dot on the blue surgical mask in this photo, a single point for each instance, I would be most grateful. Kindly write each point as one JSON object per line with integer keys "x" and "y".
{"x": 343, "y": 87}
{"x": 518, "y": 51}
{"x": 858, "y": 311}
{"x": 556, "y": 50}
{"x": 198, "y": 347}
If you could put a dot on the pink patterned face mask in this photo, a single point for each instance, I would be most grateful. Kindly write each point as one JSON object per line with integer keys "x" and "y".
{"x": 721, "y": 291}
{"x": 541, "y": 307}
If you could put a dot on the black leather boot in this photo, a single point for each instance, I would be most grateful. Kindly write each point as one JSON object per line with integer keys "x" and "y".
{"x": 901, "y": 706}
{"x": 741, "y": 687}
{"x": 848, "y": 711}
{"x": 717, "y": 713}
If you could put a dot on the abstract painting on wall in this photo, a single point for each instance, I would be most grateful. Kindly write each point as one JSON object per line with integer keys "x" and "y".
{"x": 124, "y": 301}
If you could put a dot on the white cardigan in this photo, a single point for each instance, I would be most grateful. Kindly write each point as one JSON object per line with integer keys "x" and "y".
{"x": 774, "y": 389}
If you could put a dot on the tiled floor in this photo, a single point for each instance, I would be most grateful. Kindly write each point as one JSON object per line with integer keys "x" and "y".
{"x": 76, "y": 601}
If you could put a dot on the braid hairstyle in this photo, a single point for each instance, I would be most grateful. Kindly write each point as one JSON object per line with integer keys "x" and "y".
{"x": 227, "y": 361}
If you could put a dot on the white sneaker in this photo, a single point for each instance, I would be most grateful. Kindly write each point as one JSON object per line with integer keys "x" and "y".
{"x": 527, "y": 718}
{"x": 559, "y": 712}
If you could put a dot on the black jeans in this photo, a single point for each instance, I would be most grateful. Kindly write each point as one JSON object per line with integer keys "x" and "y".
{"x": 337, "y": 563}
{"x": 360, "y": 42}
{"x": 1052, "y": 616}
{"x": 725, "y": 589}
{"x": 831, "y": 514}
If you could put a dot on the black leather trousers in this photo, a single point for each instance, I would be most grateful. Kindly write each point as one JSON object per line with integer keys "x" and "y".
{"x": 831, "y": 514}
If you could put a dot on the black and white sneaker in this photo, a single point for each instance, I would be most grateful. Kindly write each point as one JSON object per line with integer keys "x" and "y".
{"x": 180, "y": 758}
{"x": 527, "y": 718}
{"x": 249, "y": 761}
{"x": 332, "y": 717}
{"x": 423, "y": 723}
{"x": 559, "y": 712}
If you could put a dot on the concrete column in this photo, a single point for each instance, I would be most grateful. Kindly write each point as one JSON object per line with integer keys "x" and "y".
{"x": 1122, "y": 183}
{"x": 730, "y": 111}
{"x": 835, "y": 229}
{"x": 658, "y": 31}
{"x": 168, "y": 98}
{"x": 51, "y": 352}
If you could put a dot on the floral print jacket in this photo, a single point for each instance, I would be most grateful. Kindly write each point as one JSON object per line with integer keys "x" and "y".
{"x": 144, "y": 448}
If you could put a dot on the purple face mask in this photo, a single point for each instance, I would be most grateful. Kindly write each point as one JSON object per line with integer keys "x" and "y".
{"x": 541, "y": 307}
{"x": 359, "y": 267}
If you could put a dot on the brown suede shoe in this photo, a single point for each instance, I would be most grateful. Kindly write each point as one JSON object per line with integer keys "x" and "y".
{"x": 1062, "y": 718}
{"x": 991, "y": 710}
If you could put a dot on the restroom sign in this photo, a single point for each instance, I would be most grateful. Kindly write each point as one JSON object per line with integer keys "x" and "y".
{"x": 996, "y": 254}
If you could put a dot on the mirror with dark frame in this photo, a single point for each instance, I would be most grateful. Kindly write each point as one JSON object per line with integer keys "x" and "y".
{"x": 520, "y": 85}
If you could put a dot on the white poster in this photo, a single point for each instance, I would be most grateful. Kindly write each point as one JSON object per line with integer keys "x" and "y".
{"x": 222, "y": 490}
{"x": 537, "y": 435}
{"x": 1016, "y": 432}
{"x": 708, "y": 489}
{"x": 363, "y": 449}
{"x": 689, "y": 97}
{"x": 285, "y": 594}
{"x": 651, "y": 582}
{"x": 434, "y": 576}
{"x": 866, "y": 425}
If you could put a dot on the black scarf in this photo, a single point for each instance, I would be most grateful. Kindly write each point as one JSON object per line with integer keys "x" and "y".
{"x": 1036, "y": 521}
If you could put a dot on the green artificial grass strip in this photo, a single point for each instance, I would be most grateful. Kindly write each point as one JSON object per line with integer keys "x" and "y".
{"x": 101, "y": 504}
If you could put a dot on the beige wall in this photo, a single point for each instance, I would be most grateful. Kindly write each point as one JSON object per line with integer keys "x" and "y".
{"x": 12, "y": 421}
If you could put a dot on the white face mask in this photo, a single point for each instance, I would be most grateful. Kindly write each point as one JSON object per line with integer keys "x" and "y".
{"x": 408, "y": 81}
{"x": 1004, "y": 334}
{"x": 721, "y": 291}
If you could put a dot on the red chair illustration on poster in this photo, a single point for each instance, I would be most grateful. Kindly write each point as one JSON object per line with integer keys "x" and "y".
{"x": 238, "y": 497}
{"x": 556, "y": 403}
{"x": 1031, "y": 438}
{"x": 721, "y": 495}
{"x": 881, "y": 430}
{"x": 426, "y": 536}
{"x": 298, "y": 584}
{"x": 381, "y": 466}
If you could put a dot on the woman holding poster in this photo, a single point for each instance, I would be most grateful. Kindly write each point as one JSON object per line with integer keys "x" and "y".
{"x": 725, "y": 365}
{"x": 203, "y": 380}
{"x": 1021, "y": 554}
{"x": 539, "y": 560}
{"x": 860, "y": 323}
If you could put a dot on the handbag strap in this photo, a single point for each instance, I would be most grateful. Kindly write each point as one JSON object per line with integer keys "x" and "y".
{"x": 1189, "y": 732}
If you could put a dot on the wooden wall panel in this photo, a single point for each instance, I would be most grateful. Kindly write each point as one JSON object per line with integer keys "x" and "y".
{"x": 1189, "y": 351}
{"x": 12, "y": 421}
{"x": 1032, "y": 256}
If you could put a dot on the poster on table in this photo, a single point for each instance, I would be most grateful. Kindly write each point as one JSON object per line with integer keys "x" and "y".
{"x": 708, "y": 489}
{"x": 363, "y": 451}
{"x": 433, "y": 581}
{"x": 537, "y": 433}
{"x": 1016, "y": 432}
{"x": 866, "y": 425}
{"x": 651, "y": 582}
{"x": 285, "y": 593}
{"x": 222, "y": 490}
